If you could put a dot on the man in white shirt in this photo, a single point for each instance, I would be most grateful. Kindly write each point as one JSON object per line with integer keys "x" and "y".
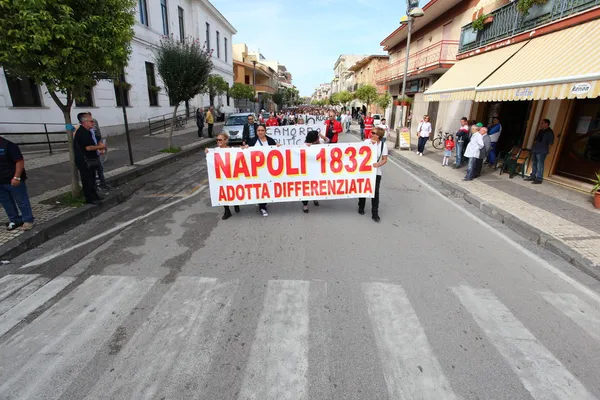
{"x": 423, "y": 131}
{"x": 382, "y": 156}
{"x": 347, "y": 121}
{"x": 472, "y": 153}
{"x": 383, "y": 125}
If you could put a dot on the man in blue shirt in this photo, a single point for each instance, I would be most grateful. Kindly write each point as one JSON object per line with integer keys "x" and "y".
{"x": 494, "y": 132}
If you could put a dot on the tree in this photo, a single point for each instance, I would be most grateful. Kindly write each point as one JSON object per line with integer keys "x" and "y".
{"x": 216, "y": 86}
{"x": 367, "y": 94}
{"x": 334, "y": 100}
{"x": 279, "y": 97}
{"x": 345, "y": 97}
{"x": 383, "y": 101}
{"x": 239, "y": 91}
{"x": 66, "y": 45}
{"x": 184, "y": 67}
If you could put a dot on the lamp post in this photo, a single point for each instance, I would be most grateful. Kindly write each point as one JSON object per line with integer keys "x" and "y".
{"x": 413, "y": 12}
{"x": 254, "y": 82}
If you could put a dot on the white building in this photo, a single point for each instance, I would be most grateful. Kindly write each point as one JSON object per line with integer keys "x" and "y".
{"x": 21, "y": 101}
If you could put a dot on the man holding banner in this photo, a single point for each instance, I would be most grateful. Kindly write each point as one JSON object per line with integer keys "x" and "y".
{"x": 333, "y": 127}
{"x": 377, "y": 135}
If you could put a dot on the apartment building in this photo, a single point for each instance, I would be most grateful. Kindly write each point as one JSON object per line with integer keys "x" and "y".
{"x": 364, "y": 74}
{"x": 249, "y": 65}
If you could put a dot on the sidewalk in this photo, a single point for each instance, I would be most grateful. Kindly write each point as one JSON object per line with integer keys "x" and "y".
{"x": 561, "y": 220}
{"x": 49, "y": 175}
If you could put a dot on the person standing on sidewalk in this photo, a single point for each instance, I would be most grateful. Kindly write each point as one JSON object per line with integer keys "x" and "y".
{"x": 539, "y": 151}
{"x": 210, "y": 120}
{"x": 423, "y": 131}
{"x": 369, "y": 121}
{"x": 448, "y": 147}
{"x": 348, "y": 121}
{"x": 200, "y": 121}
{"x": 86, "y": 149}
{"x": 494, "y": 132}
{"x": 461, "y": 138}
{"x": 13, "y": 191}
{"x": 361, "y": 124}
{"x": 484, "y": 152}
{"x": 382, "y": 157}
{"x": 472, "y": 153}
{"x": 100, "y": 170}
{"x": 386, "y": 129}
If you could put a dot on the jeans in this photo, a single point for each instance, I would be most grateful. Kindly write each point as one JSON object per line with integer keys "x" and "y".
{"x": 492, "y": 153}
{"x": 362, "y": 133}
{"x": 537, "y": 168}
{"x": 459, "y": 152}
{"x": 421, "y": 144}
{"x": 471, "y": 169}
{"x": 374, "y": 201}
{"x": 12, "y": 197}
{"x": 210, "y": 130}
{"x": 100, "y": 171}
{"x": 347, "y": 126}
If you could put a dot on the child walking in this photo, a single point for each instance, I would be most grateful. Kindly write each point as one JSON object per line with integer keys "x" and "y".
{"x": 449, "y": 145}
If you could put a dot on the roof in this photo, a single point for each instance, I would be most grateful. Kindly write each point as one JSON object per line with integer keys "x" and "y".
{"x": 361, "y": 63}
{"x": 220, "y": 16}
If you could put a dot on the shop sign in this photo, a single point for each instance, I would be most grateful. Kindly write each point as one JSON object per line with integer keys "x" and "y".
{"x": 581, "y": 88}
{"x": 524, "y": 92}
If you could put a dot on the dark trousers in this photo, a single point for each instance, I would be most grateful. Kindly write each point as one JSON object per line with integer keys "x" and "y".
{"x": 100, "y": 172}
{"x": 374, "y": 201}
{"x": 88, "y": 183}
{"x": 421, "y": 144}
{"x": 210, "y": 130}
{"x": 471, "y": 169}
{"x": 262, "y": 206}
{"x": 200, "y": 129}
{"x": 478, "y": 167}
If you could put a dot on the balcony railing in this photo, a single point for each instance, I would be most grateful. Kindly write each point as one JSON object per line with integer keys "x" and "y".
{"x": 443, "y": 52}
{"x": 508, "y": 21}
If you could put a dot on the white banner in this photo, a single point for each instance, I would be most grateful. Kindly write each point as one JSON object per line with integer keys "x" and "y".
{"x": 290, "y": 135}
{"x": 276, "y": 174}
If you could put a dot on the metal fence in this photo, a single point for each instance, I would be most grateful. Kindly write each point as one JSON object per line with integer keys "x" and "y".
{"x": 162, "y": 122}
{"x": 509, "y": 21}
{"x": 35, "y": 133}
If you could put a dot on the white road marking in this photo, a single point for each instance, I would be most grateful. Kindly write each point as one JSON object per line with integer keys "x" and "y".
{"x": 9, "y": 284}
{"x": 410, "y": 368}
{"x": 170, "y": 354}
{"x": 577, "y": 285}
{"x": 117, "y": 228}
{"x": 19, "y": 295}
{"x": 542, "y": 374}
{"x": 579, "y": 311}
{"x": 278, "y": 364}
{"x": 17, "y": 313}
{"x": 40, "y": 362}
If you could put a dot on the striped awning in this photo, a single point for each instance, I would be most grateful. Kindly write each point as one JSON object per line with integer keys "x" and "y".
{"x": 560, "y": 65}
{"x": 460, "y": 81}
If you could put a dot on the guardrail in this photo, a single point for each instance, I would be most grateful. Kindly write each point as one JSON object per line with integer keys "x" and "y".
{"x": 162, "y": 122}
{"x": 46, "y": 129}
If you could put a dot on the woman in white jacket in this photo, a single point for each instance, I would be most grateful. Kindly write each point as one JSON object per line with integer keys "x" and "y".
{"x": 423, "y": 131}
{"x": 472, "y": 153}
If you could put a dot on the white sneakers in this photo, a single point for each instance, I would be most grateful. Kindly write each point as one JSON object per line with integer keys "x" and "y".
{"x": 264, "y": 213}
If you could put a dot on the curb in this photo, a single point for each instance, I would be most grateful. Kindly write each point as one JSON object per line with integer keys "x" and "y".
{"x": 517, "y": 225}
{"x": 63, "y": 223}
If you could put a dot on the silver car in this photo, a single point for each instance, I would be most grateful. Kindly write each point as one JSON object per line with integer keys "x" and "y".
{"x": 234, "y": 126}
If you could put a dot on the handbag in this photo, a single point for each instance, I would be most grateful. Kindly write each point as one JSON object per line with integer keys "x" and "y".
{"x": 92, "y": 163}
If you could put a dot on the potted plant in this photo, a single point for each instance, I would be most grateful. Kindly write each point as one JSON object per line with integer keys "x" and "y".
{"x": 596, "y": 190}
{"x": 405, "y": 101}
{"x": 155, "y": 89}
{"x": 126, "y": 86}
{"x": 481, "y": 21}
{"x": 524, "y": 5}
{"x": 396, "y": 102}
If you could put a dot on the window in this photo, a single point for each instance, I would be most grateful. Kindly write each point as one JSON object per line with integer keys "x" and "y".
{"x": 122, "y": 81}
{"x": 218, "y": 45}
{"x": 247, "y": 79}
{"x": 23, "y": 92}
{"x": 85, "y": 99}
{"x": 143, "y": 12}
{"x": 207, "y": 36}
{"x": 181, "y": 28}
{"x": 151, "y": 81}
{"x": 225, "y": 48}
{"x": 165, "y": 16}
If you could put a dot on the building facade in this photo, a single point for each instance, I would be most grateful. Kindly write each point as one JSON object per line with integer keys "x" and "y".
{"x": 343, "y": 78}
{"x": 364, "y": 74}
{"x": 247, "y": 66}
{"x": 22, "y": 102}
{"x": 322, "y": 92}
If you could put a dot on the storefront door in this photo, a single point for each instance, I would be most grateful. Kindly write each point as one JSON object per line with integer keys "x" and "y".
{"x": 580, "y": 154}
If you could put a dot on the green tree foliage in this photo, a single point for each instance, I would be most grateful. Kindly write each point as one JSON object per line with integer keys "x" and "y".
{"x": 66, "y": 45}
{"x": 286, "y": 97}
{"x": 367, "y": 94}
{"x": 345, "y": 97}
{"x": 334, "y": 99}
{"x": 216, "y": 86}
{"x": 239, "y": 91}
{"x": 383, "y": 101}
{"x": 184, "y": 67}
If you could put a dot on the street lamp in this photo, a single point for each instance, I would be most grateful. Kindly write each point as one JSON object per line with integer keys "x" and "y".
{"x": 413, "y": 12}
{"x": 254, "y": 82}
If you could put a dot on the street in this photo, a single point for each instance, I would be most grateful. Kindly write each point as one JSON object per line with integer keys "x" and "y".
{"x": 158, "y": 298}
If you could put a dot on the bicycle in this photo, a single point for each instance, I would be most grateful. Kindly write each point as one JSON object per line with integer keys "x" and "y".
{"x": 180, "y": 123}
{"x": 439, "y": 141}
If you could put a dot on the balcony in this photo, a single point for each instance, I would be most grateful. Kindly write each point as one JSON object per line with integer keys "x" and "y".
{"x": 508, "y": 21}
{"x": 265, "y": 89}
{"x": 435, "y": 56}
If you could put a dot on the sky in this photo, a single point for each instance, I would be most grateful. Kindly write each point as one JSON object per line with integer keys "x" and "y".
{"x": 308, "y": 36}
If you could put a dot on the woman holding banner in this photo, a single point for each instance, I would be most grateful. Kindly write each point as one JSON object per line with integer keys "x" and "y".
{"x": 334, "y": 127}
{"x": 382, "y": 155}
{"x": 261, "y": 139}
{"x": 312, "y": 137}
{"x": 223, "y": 143}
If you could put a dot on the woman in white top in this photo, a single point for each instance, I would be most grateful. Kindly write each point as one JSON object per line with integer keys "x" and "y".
{"x": 423, "y": 131}
{"x": 382, "y": 156}
{"x": 383, "y": 125}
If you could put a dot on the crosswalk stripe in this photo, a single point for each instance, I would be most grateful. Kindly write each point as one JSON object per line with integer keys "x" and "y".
{"x": 170, "y": 354}
{"x": 11, "y": 283}
{"x": 542, "y": 374}
{"x": 21, "y": 294}
{"x": 278, "y": 363}
{"x": 43, "y": 360}
{"x": 21, "y": 310}
{"x": 579, "y": 311}
{"x": 411, "y": 370}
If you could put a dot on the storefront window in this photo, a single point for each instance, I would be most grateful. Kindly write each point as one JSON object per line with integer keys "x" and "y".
{"x": 580, "y": 155}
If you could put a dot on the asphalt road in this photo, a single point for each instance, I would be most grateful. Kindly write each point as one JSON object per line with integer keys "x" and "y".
{"x": 160, "y": 299}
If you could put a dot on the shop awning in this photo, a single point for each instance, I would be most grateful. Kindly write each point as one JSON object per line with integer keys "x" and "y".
{"x": 460, "y": 81}
{"x": 560, "y": 65}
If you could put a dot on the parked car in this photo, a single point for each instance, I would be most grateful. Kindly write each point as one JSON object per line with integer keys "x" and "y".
{"x": 234, "y": 126}
{"x": 377, "y": 119}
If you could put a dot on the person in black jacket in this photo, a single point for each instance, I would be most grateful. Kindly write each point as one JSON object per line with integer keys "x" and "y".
{"x": 249, "y": 131}
{"x": 262, "y": 139}
{"x": 200, "y": 121}
{"x": 85, "y": 149}
{"x": 540, "y": 149}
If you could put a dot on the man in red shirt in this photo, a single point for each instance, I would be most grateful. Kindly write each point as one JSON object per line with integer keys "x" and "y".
{"x": 272, "y": 121}
{"x": 369, "y": 121}
{"x": 333, "y": 127}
